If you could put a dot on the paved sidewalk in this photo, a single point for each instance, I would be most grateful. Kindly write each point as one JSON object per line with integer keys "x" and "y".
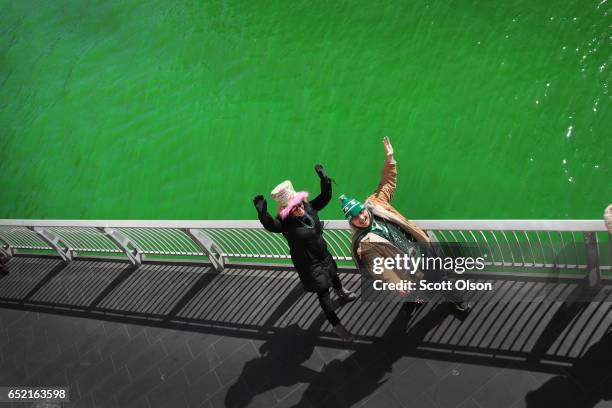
{"x": 178, "y": 335}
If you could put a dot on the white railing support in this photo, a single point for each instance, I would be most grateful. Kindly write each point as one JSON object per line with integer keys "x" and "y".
{"x": 129, "y": 247}
{"x": 6, "y": 253}
{"x": 208, "y": 246}
{"x": 6, "y": 250}
{"x": 56, "y": 242}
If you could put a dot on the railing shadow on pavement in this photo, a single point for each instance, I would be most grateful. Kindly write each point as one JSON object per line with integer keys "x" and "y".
{"x": 257, "y": 302}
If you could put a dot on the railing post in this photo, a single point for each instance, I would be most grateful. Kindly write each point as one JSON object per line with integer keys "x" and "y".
{"x": 208, "y": 246}
{"x": 6, "y": 250}
{"x": 56, "y": 242}
{"x": 129, "y": 247}
{"x": 592, "y": 258}
{"x": 6, "y": 253}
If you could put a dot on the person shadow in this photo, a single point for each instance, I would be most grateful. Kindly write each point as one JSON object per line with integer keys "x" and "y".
{"x": 588, "y": 381}
{"x": 284, "y": 363}
{"x": 344, "y": 383}
{"x": 281, "y": 364}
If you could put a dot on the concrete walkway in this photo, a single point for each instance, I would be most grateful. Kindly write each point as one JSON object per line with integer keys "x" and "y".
{"x": 179, "y": 335}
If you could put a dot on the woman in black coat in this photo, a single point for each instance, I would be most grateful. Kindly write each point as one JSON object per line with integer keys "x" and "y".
{"x": 298, "y": 221}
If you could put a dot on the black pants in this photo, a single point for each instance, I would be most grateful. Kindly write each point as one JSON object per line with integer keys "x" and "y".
{"x": 326, "y": 303}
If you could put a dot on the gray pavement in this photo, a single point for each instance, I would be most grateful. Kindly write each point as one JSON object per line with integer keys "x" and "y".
{"x": 182, "y": 335}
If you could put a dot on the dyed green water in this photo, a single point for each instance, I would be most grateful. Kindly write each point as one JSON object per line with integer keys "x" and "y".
{"x": 134, "y": 110}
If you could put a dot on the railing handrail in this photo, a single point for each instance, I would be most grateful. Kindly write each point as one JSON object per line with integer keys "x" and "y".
{"x": 490, "y": 225}
{"x": 567, "y": 244}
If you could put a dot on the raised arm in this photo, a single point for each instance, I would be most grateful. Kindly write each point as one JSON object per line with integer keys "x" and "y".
{"x": 269, "y": 223}
{"x": 388, "y": 179}
{"x": 320, "y": 201}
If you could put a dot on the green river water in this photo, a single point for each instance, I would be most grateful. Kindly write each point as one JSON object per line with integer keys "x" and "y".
{"x": 187, "y": 109}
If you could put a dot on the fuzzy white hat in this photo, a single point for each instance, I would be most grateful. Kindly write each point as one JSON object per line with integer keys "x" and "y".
{"x": 287, "y": 198}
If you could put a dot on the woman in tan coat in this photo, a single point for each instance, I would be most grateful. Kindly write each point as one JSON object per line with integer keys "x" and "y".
{"x": 379, "y": 230}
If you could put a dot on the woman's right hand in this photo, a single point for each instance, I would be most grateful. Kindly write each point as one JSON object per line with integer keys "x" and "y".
{"x": 260, "y": 203}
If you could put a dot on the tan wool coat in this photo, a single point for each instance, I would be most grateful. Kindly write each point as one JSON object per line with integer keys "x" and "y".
{"x": 370, "y": 245}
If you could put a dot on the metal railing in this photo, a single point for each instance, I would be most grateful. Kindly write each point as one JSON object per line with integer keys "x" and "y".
{"x": 565, "y": 244}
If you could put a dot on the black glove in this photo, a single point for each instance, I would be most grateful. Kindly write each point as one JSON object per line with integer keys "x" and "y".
{"x": 321, "y": 172}
{"x": 260, "y": 204}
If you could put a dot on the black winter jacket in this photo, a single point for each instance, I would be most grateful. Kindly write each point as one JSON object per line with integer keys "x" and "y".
{"x": 309, "y": 253}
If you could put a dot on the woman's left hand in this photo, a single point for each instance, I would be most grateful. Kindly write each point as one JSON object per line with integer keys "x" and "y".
{"x": 321, "y": 171}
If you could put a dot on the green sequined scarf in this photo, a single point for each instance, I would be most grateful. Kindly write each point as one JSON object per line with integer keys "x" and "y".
{"x": 392, "y": 233}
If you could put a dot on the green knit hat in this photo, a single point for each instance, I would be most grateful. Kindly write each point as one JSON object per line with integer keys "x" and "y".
{"x": 350, "y": 206}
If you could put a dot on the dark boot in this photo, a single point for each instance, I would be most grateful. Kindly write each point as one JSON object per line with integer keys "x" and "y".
{"x": 462, "y": 306}
{"x": 345, "y": 295}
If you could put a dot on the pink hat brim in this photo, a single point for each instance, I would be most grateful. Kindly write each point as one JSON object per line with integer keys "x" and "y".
{"x": 297, "y": 198}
